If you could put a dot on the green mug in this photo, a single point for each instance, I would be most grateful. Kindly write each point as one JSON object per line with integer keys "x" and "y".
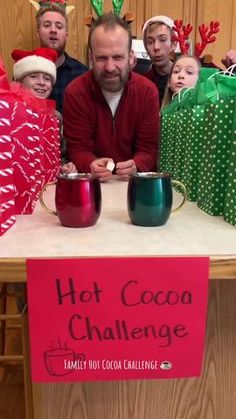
{"x": 150, "y": 198}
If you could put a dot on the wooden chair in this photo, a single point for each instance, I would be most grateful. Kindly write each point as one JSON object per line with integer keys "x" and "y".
{"x": 8, "y": 321}
{"x": 12, "y": 319}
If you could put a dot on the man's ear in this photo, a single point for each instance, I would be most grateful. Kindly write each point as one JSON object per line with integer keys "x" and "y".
{"x": 90, "y": 59}
{"x": 132, "y": 59}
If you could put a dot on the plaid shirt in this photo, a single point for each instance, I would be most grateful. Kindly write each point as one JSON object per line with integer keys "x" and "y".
{"x": 66, "y": 72}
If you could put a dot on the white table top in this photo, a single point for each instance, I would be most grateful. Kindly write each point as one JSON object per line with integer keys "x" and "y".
{"x": 190, "y": 231}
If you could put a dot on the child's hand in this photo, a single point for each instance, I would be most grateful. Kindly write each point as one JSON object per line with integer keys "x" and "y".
{"x": 68, "y": 168}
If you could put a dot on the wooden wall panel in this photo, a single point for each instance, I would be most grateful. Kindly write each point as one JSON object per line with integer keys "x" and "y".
{"x": 138, "y": 8}
{"x": 18, "y": 29}
{"x": 174, "y": 9}
{"x": 225, "y": 13}
{"x": 15, "y": 28}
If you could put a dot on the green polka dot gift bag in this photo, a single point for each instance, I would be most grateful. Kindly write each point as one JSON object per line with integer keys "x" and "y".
{"x": 214, "y": 163}
{"x": 230, "y": 191}
{"x": 217, "y": 170}
{"x": 174, "y": 144}
{"x": 182, "y": 134}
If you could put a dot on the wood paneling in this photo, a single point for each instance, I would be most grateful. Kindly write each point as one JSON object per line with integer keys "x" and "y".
{"x": 17, "y": 23}
{"x": 225, "y": 13}
{"x": 15, "y": 29}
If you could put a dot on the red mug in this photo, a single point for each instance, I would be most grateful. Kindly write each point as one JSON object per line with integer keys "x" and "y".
{"x": 78, "y": 199}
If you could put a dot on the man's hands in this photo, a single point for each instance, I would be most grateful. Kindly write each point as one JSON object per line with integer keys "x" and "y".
{"x": 123, "y": 169}
{"x": 98, "y": 167}
{"x": 126, "y": 168}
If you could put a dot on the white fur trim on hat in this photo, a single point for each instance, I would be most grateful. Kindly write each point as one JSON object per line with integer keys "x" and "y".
{"x": 34, "y": 64}
{"x": 161, "y": 18}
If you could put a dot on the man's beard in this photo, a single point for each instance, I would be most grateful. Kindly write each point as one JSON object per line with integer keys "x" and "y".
{"x": 112, "y": 86}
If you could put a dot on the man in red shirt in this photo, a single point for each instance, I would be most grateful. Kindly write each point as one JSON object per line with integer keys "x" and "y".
{"x": 110, "y": 113}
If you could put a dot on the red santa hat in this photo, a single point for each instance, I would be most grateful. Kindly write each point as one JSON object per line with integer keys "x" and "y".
{"x": 40, "y": 60}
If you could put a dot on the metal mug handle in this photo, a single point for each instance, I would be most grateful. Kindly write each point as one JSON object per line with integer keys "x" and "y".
{"x": 183, "y": 192}
{"x": 41, "y": 200}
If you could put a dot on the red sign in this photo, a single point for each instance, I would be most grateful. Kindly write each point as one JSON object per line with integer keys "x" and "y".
{"x": 116, "y": 318}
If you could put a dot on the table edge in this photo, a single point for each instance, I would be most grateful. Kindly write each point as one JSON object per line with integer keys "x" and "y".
{"x": 221, "y": 267}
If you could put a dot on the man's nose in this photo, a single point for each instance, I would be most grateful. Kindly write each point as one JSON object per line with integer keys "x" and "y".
{"x": 53, "y": 28}
{"x": 109, "y": 66}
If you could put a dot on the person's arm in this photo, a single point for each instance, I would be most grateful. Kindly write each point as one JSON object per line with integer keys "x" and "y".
{"x": 230, "y": 58}
{"x": 147, "y": 142}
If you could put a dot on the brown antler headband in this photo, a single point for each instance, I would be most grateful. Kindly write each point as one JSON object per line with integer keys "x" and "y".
{"x": 44, "y": 3}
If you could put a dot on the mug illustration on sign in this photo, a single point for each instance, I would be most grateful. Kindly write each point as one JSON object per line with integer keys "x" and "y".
{"x": 166, "y": 365}
{"x": 56, "y": 359}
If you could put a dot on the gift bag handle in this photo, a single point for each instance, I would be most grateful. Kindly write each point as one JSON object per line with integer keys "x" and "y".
{"x": 212, "y": 76}
{"x": 230, "y": 70}
{"x": 181, "y": 93}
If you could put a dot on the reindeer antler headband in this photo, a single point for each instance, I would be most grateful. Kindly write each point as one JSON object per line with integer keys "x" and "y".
{"x": 97, "y": 5}
{"x": 206, "y": 33}
{"x": 45, "y": 3}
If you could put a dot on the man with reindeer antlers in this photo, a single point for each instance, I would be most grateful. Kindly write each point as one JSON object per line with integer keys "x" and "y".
{"x": 111, "y": 115}
{"x": 52, "y": 32}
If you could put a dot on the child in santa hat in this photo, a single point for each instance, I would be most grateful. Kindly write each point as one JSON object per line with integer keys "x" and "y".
{"x": 36, "y": 71}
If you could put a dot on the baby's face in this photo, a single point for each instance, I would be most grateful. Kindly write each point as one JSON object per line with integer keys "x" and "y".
{"x": 185, "y": 73}
{"x": 40, "y": 84}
